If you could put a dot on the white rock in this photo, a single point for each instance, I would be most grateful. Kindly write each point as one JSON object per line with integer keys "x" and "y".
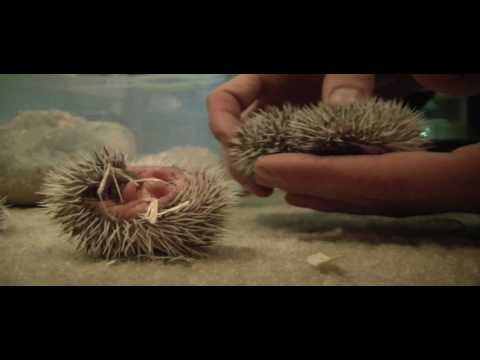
{"x": 37, "y": 141}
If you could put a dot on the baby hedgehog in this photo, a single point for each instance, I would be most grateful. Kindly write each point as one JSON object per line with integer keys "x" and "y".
{"x": 373, "y": 126}
{"x": 162, "y": 207}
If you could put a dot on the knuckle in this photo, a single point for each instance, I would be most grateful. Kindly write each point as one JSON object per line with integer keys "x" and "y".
{"x": 217, "y": 130}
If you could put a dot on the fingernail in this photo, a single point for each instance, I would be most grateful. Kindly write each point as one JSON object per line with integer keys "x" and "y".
{"x": 344, "y": 96}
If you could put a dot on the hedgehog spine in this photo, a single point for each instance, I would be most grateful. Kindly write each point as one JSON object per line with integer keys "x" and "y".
{"x": 321, "y": 129}
{"x": 178, "y": 231}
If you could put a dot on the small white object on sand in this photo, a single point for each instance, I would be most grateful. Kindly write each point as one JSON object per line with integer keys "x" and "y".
{"x": 320, "y": 259}
{"x": 338, "y": 232}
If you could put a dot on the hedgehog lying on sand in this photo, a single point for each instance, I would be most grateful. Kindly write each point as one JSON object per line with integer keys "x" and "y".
{"x": 163, "y": 206}
{"x": 373, "y": 126}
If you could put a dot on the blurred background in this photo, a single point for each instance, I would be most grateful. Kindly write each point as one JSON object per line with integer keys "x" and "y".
{"x": 166, "y": 110}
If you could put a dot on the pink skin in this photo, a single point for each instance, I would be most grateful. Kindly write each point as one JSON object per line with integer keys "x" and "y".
{"x": 137, "y": 197}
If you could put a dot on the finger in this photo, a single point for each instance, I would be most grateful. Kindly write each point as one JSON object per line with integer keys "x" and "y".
{"x": 451, "y": 84}
{"x": 255, "y": 189}
{"x": 343, "y": 89}
{"x": 294, "y": 89}
{"x": 227, "y": 103}
{"x": 399, "y": 180}
{"x": 248, "y": 184}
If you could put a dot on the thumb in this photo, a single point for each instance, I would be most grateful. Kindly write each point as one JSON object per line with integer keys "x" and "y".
{"x": 344, "y": 89}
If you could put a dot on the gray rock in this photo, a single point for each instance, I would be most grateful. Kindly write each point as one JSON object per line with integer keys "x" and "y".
{"x": 37, "y": 141}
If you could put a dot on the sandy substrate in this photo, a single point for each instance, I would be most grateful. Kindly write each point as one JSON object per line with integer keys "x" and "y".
{"x": 269, "y": 245}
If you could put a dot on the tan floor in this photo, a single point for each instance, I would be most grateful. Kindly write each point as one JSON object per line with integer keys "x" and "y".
{"x": 269, "y": 245}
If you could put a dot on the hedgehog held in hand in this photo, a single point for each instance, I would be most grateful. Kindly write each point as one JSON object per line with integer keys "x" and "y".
{"x": 151, "y": 210}
{"x": 373, "y": 126}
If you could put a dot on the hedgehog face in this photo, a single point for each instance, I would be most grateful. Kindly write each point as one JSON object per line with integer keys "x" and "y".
{"x": 162, "y": 184}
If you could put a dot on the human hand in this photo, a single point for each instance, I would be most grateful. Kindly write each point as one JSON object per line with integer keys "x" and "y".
{"x": 345, "y": 88}
{"x": 392, "y": 184}
{"x": 245, "y": 93}
{"x": 248, "y": 92}
{"x": 395, "y": 184}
